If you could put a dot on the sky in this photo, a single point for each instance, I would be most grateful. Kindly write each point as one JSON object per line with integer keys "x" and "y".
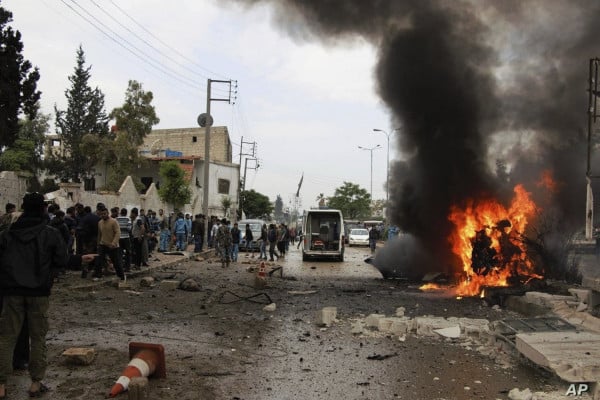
{"x": 308, "y": 106}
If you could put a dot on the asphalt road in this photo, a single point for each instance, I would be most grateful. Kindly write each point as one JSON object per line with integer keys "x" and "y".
{"x": 221, "y": 344}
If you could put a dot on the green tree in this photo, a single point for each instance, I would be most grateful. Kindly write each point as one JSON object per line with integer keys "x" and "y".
{"x": 255, "y": 205}
{"x": 25, "y": 154}
{"x": 134, "y": 120}
{"x": 84, "y": 115}
{"x": 18, "y": 83}
{"x": 321, "y": 199}
{"x": 137, "y": 116}
{"x": 278, "y": 211}
{"x": 122, "y": 159}
{"x": 173, "y": 188}
{"x": 226, "y": 204}
{"x": 352, "y": 200}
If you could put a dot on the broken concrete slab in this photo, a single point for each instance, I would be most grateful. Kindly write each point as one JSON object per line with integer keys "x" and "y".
{"x": 80, "y": 355}
{"x": 451, "y": 332}
{"x": 545, "y": 299}
{"x": 582, "y": 295}
{"x": 580, "y": 319}
{"x": 574, "y": 356}
{"x": 426, "y": 325}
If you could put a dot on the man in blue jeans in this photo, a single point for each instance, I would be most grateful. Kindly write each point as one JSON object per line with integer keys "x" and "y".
{"x": 236, "y": 236}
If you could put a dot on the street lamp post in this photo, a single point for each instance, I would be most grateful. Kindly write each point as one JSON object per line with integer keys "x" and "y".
{"x": 370, "y": 149}
{"x": 387, "y": 174}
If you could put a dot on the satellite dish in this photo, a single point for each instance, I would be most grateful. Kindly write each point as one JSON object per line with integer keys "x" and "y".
{"x": 156, "y": 147}
{"x": 205, "y": 120}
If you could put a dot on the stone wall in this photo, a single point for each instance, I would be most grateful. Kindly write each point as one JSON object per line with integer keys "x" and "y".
{"x": 13, "y": 186}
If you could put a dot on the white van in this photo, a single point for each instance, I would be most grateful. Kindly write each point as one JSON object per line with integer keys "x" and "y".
{"x": 323, "y": 234}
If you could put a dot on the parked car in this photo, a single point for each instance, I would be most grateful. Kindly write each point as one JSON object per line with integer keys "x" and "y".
{"x": 255, "y": 227}
{"x": 358, "y": 237}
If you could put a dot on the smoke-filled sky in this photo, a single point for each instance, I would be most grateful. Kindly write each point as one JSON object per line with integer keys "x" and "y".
{"x": 465, "y": 82}
{"x": 469, "y": 83}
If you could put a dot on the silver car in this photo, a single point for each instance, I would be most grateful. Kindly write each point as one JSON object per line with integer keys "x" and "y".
{"x": 358, "y": 237}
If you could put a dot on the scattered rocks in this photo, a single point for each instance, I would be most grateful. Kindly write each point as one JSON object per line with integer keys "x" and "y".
{"x": 80, "y": 355}
{"x": 190, "y": 284}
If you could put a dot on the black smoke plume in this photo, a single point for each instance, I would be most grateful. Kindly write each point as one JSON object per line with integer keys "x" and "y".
{"x": 467, "y": 83}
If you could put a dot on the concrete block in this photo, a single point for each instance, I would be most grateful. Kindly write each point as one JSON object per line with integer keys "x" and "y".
{"x": 400, "y": 311}
{"x": 139, "y": 389}
{"x": 169, "y": 284}
{"x": 401, "y": 326}
{"x": 357, "y": 328}
{"x": 270, "y": 307}
{"x": 426, "y": 325}
{"x": 372, "y": 321}
{"x": 385, "y": 323}
{"x": 326, "y": 316}
{"x": 474, "y": 326}
{"x": 80, "y": 355}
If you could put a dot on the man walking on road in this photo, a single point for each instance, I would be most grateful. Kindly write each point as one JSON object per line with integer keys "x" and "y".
{"x": 31, "y": 253}
{"x": 109, "y": 234}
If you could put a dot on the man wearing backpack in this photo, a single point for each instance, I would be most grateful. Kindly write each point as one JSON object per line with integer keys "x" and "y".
{"x": 31, "y": 253}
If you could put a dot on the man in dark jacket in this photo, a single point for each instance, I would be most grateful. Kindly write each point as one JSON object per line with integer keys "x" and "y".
{"x": 31, "y": 252}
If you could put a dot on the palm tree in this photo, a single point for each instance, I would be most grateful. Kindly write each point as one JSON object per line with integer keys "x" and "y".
{"x": 321, "y": 199}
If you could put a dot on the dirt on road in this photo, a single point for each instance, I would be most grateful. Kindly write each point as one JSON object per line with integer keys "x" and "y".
{"x": 221, "y": 344}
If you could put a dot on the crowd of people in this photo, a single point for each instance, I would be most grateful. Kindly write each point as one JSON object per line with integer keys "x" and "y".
{"x": 225, "y": 238}
{"x": 41, "y": 241}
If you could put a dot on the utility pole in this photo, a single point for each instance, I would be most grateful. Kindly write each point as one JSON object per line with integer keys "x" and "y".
{"x": 370, "y": 149}
{"x": 206, "y": 121}
{"x": 252, "y": 154}
{"x": 256, "y": 166}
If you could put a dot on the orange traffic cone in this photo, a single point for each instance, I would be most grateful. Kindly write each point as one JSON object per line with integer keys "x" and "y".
{"x": 262, "y": 273}
{"x": 146, "y": 359}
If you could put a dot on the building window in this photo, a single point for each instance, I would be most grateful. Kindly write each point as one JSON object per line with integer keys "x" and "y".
{"x": 194, "y": 139}
{"x": 223, "y": 186}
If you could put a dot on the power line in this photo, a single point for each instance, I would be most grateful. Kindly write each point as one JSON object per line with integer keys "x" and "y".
{"x": 212, "y": 73}
{"x": 150, "y": 45}
{"x": 144, "y": 57}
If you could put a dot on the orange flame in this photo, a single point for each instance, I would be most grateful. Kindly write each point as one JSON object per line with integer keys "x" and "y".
{"x": 502, "y": 227}
{"x": 430, "y": 286}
